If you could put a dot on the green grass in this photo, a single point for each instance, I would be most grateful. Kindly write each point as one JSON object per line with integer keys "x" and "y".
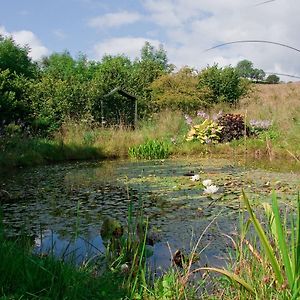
{"x": 266, "y": 263}
{"x": 25, "y": 276}
{"x": 152, "y": 149}
{"x": 28, "y": 152}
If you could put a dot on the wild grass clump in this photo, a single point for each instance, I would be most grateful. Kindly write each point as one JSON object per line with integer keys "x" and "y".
{"x": 152, "y": 149}
{"x": 267, "y": 265}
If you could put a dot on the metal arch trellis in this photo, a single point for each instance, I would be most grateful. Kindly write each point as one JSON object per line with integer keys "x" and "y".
{"x": 123, "y": 93}
{"x": 259, "y": 41}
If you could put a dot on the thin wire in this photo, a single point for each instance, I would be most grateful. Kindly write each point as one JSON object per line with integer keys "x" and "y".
{"x": 254, "y": 41}
{"x": 281, "y": 74}
{"x": 265, "y": 2}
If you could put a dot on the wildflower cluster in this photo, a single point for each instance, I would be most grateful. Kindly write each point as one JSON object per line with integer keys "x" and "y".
{"x": 203, "y": 116}
{"x": 260, "y": 124}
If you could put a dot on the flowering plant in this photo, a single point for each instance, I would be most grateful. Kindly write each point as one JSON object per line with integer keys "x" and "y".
{"x": 207, "y": 132}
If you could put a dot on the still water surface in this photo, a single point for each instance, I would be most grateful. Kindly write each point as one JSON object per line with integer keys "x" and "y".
{"x": 62, "y": 207}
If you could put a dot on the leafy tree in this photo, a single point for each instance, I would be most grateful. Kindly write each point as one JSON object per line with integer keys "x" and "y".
{"x": 180, "y": 91}
{"x": 258, "y": 75}
{"x": 225, "y": 84}
{"x": 15, "y": 103}
{"x": 15, "y": 58}
{"x": 64, "y": 66}
{"x": 158, "y": 56}
{"x": 245, "y": 69}
{"x": 272, "y": 79}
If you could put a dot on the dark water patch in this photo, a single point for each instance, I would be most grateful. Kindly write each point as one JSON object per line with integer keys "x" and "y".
{"x": 65, "y": 205}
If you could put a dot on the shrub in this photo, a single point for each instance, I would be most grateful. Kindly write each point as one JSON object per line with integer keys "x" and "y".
{"x": 233, "y": 127}
{"x": 225, "y": 84}
{"x": 179, "y": 91}
{"x": 152, "y": 149}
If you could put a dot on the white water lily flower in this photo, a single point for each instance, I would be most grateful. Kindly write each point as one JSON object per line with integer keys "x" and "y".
{"x": 207, "y": 182}
{"x": 195, "y": 177}
{"x": 124, "y": 268}
{"x": 211, "y": 189}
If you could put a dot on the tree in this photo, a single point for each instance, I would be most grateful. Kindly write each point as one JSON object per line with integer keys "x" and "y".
{"x": 15, "y": 103}
{"x": 225, "y": 84}
{"x": 272, "y": 79}
{"x": 15, "y": 58}
{"x": 158, "y": 56}
{"x": 245, "y": 68}
{"x": 179, "y": 91}
{"x": 258, "y": 75}
{"x": 64, "y": 66}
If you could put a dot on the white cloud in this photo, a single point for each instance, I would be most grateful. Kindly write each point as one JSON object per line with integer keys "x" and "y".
{"x": 130, "y": 46}
{"x": 114, "y": 19}
{"x": 192, "y": 26}
{"x": 27, "y": 38}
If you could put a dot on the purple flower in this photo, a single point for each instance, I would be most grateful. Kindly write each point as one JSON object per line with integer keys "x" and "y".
{"x": 261, "y": 124}
{"x": 218, "y": 115}
{"x": 202, "y": 114}
{"x": 188, "y": 119}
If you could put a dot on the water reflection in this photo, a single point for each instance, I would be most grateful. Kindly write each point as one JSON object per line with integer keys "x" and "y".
{"x": 65, "y": 201}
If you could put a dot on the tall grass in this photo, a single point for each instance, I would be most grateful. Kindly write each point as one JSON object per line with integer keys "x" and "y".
{"x": 25, "y": 276}
{"x": 280, "y": 104}
{"x": 267, "y": 265}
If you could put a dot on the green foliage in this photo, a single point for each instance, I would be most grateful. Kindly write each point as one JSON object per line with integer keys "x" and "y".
{"x": 179, "y": 91}
{"x": 285, "y": 262}
{"x": 15, "y": 102}
{"x": 25, "y": 276}
{"x": 272, "y": 79}
{"x": 63, "y": 66}
{"x": 18, "y": 150}
{"x": 158, "y": 56}
{"x": 55, "y": 100}
{"x": 15, "y": 58}
{"x": 245, "y": 69}
{"x": 152, "y": 149}
{"x": 272, "y": 269}
{"x": 225, "y": 84}
{"x": 206, "y": 133}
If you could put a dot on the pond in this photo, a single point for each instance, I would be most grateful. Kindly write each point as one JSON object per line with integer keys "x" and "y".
{"x": 62, "y": 207}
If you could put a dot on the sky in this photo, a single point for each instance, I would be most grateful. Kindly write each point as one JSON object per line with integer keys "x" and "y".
{"x": 185, "y": 28}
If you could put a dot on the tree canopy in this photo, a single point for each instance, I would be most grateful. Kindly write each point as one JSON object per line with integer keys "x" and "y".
{"x": 15, "y": 58}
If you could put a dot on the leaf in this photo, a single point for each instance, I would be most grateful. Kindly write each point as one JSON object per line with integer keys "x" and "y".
{"x": 230, "y": 275}
{"x": 264, "y": 241}
{"x": 281, "y": 237}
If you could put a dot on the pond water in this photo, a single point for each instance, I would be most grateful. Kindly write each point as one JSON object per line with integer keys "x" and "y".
{"x": 62, "y": 207}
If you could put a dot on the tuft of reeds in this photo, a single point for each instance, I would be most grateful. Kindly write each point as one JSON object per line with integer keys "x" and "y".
{"x": 268, "y": 265}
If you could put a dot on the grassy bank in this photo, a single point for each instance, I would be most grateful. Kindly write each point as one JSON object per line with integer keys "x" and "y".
{"x": 278, "y": 104}
{"x": 25, "y": 276}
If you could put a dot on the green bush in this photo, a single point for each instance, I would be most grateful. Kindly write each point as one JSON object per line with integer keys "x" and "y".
{"x": 152, "y": 149}
{"x": 225, "y": 84}
{"x": 179, "y": 91}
